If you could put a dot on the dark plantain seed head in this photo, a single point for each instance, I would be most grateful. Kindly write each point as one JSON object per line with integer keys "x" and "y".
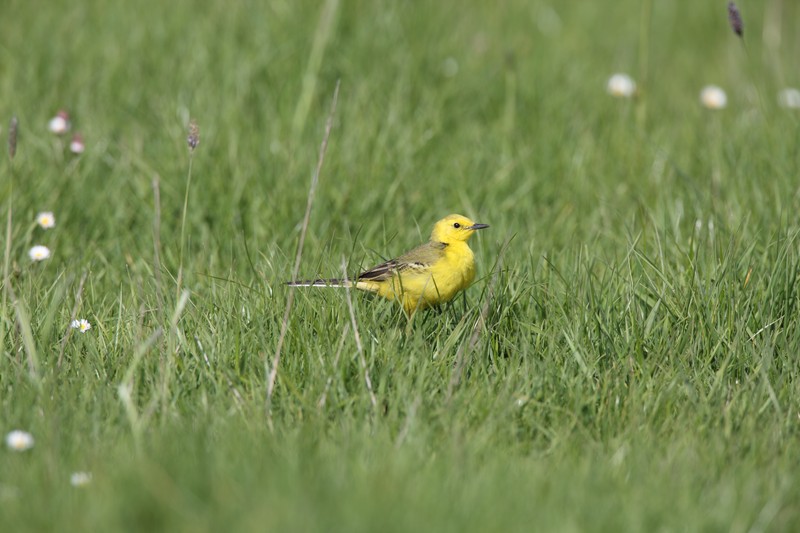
{"x": 735, "y": 19}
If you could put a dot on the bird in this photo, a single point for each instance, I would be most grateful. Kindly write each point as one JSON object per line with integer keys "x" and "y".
{"x": 428, "y": 275}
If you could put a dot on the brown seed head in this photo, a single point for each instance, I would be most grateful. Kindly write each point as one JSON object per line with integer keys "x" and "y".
{"x": 735, "y": 19}
{"x": 12, "y": 137}
{"x": 194, "y": 135}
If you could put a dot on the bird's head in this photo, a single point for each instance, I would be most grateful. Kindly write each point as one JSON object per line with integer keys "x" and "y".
{"x": 455, "y": 228}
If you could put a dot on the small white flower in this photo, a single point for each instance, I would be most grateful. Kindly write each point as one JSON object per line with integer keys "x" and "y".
{"x": 81, "y": 325}
{"x": 621, "y": 86}
{"x": 19, "y": 440}
{"x": 59, "y": 124}
{"x": 46, "y": 219}
{"x": 789, "y": 98}
{"x": 76, "y": 146}
{"x": 80, "y": 479}
{"x": 713, "y": 97}
{"x": 39, "y": 253}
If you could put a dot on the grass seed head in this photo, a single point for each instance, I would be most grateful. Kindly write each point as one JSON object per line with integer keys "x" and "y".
{"x": 193, "y": 139}
{"x": 735, "y": 19}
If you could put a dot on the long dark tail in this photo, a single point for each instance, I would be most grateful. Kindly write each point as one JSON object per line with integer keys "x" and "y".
{"x": 321, "y": 283}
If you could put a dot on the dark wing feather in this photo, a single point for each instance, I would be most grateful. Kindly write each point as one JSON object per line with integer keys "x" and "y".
{"x": 380, "y": 272}
{"x": 420, "y": 257}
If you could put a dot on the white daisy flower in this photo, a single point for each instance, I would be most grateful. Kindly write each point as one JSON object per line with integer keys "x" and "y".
{"x": 81, "y": 325}
{"x": 39, "y": 253}
{"x": 59, "y": 124}
{"x": 789, "y": 98}
{"x": 76, "y": 146}
{"x": 80, "y": 479}
{"x": 621, "y": 86}
{"x": 19, "y": 440}
{"x": 46, "y": 219}
{"x": 713, "y": 97}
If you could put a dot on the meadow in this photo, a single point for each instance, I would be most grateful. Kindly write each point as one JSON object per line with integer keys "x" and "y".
{"x": 626, "y": 360}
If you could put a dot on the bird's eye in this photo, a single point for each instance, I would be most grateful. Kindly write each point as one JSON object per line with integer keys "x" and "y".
{"x": 456, "y": 225}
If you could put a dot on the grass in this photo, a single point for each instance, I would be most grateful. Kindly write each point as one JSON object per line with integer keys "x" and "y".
{"x": 636, "y": 364}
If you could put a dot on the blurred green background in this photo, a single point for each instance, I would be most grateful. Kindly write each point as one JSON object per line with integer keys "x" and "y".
{"x": 636, "y": 364}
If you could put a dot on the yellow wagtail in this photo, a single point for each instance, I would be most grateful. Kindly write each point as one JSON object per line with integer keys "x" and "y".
{"x": 428, "y": 275}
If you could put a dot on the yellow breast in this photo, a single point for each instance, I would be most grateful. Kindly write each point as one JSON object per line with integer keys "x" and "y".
{"x": 418, "y": 289}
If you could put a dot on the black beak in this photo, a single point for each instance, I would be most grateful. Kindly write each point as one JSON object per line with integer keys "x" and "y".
{"x": 478, "y": 226}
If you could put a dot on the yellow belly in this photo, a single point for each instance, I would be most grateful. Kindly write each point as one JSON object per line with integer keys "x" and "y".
{"x": 420, "y": 288}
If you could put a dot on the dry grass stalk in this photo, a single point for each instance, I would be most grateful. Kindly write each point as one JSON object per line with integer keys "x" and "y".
{"x": 273, "y": 368}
